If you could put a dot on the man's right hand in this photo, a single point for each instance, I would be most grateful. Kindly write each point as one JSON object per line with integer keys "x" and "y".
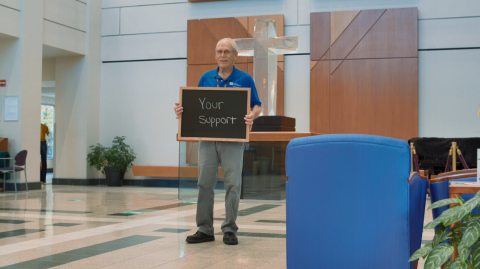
{"x": 178, "y": 109}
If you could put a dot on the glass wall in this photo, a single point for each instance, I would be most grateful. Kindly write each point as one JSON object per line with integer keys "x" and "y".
{"x": 263, "y": 176}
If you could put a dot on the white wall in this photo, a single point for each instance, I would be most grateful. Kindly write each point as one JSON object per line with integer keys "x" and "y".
{"x": 65, "y": 25}
{"x": 8, "y": 52}
{"x": 10, "y": 17}
{"x": 449, "y": 61}
{"x": 24, "y": 64}
{"x": 77, "y": 83}
{"x": 139, "y": 105}
{"x": 155, "y": 30}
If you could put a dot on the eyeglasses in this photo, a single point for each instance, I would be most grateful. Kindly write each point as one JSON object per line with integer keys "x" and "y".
{"x": 224, "y": 52}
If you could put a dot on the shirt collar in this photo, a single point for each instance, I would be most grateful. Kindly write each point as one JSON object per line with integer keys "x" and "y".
{"x": 229, "y": 77}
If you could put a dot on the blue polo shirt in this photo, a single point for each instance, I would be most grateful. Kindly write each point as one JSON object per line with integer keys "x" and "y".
{"x": 237, "y": 79}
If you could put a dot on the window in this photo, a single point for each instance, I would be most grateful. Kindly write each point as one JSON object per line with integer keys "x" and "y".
{"x": 48, "y": 117}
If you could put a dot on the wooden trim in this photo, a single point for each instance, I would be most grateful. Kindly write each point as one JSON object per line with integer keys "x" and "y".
{"x": 454, "y": 175}
{"x": 168, "y": 171}
{"x": 276, "y": 136}
{"x": 455, "y": 191}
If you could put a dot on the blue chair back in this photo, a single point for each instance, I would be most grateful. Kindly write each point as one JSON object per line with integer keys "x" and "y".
{"x": 350, "y": 203}
{"x": 439, "y": 188}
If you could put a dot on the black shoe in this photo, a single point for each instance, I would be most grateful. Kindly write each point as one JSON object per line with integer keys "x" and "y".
{"x": 199, "y": 237}
{"x": 229, "y": 238}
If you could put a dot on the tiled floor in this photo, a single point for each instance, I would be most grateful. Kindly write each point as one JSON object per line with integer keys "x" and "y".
{"x": 127, "y": 227}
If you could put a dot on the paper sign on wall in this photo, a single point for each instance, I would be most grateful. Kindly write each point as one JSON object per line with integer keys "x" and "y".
{"x": 11, "y": 108}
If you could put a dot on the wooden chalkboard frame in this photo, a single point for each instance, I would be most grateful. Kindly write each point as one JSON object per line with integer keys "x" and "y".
{"x": 244, "y": 138}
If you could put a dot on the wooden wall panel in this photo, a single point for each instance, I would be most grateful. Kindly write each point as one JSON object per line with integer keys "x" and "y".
{"x": 353, "y": 34}
{"x": 320, "y": 97}
{"x": 203, "y": 35}
{"x": 320, "y": 27}
{"x": 366, "y": 81}
{"x": 390, "y": 37}
{"x": 369, "y": 99}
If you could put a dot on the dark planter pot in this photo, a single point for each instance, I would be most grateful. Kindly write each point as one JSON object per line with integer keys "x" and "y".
{"x": 114, "y": 176}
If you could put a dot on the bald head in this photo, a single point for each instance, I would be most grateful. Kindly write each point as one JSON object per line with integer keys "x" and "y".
{"x": 226, "y": 54}
{"x": 229, "y": 42}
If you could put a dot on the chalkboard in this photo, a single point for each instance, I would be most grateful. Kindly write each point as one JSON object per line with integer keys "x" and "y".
{"x": 214, "y": 114}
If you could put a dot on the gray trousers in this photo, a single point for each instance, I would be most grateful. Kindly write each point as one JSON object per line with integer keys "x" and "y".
{"x": 210, "y": 155}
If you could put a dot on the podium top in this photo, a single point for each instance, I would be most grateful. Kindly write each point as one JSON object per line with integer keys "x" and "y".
{"x": 276, "y": 136}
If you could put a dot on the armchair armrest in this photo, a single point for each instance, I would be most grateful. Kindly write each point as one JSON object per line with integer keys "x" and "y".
{"x": 417, "y": 200}
{"x": 416, "y": 176}
{"x": 465, "y": 173}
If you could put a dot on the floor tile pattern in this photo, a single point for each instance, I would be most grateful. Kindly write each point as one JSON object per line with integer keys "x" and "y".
{"x": 134, "y": 227}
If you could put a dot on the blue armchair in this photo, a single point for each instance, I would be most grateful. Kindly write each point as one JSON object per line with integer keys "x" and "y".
{"x": 352, "y": 203}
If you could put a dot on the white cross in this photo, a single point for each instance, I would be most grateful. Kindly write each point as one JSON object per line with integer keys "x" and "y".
{"x": 264, "y": 47}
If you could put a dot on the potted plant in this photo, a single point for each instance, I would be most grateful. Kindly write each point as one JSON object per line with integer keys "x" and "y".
{"x": 456, "y": 243}
{"x": 112, "y": 161}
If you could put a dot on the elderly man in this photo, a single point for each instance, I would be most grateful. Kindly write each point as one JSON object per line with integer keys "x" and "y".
{"x": 228, "y": 154}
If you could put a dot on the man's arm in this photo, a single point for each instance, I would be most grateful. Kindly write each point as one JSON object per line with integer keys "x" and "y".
{"x": 256, "y": 110}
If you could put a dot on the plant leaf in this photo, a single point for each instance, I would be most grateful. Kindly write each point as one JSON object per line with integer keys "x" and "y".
{"x": 441, "y": 234}
{"x": 454, "y": 214}
{"x": 470, "y": 235}
{"x": 472, "y": 203}
{"x": 463, "y": 253}
{"x": 458, "y": 264}
{"x": 438, "y": 256}
{"x": 476, "y": 255}
{"x": 445, "y": 202}
{"x": 422, "y": 252}
{"x": 434, "y": 223}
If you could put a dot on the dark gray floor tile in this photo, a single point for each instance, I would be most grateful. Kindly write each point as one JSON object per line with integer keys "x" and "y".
{"x": 85, "y": 252}
{"x": 12, "y": 221}
{"x": 172, "y": 230}
{"x": 18, "y": 232}
{"x": 255, "y": 209}
{"x": 271, "y": 221}
{"x": 44, "y": 210}
{"x": 63, "y": 224}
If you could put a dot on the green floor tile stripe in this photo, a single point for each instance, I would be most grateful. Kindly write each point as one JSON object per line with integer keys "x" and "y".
{"x": 271, "y": 221}
{"x": 18, "y": 232}
{"x": 172, "y": 230}
{"x": 150, "y": 209}
{"x": 163, "y": 207}
{"x": 82, "y": 253}
{"x": 12, "y": 221}
{"x": 266, "y": 235}
{"x": 44, "y": 210}
{"x": 62, "y": 224}
{"x": 255, "y": 209}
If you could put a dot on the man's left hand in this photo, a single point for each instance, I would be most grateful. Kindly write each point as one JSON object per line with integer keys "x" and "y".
{"x": 249, "y": 119}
